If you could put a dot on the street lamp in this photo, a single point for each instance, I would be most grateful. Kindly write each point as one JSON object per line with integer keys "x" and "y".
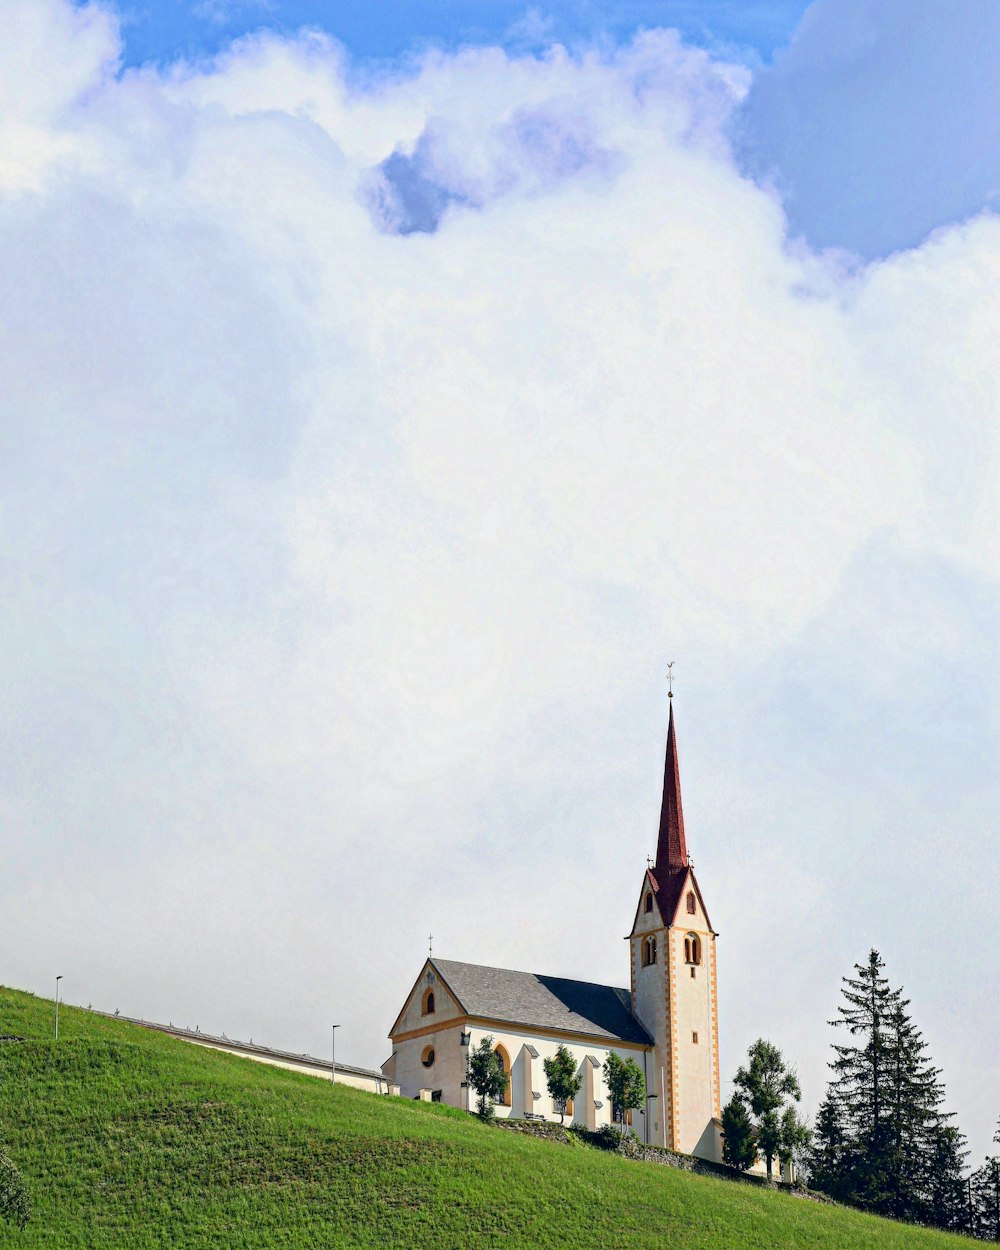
{"x": 333, "y": 1065}
{"x": 465, "y": 1041}
{"x": 58, "y": 979}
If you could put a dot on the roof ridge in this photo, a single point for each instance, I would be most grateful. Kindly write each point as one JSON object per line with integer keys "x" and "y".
{"x": 542, "y": 1000}
{"x": 523, "y": 972}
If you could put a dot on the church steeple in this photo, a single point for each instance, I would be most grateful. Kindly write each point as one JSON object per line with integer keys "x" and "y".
{"x": 673, "y": 980}
{"x": 671, "y": 847}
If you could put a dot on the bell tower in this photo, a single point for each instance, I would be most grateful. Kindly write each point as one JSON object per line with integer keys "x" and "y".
{"x": 673, "y": 980}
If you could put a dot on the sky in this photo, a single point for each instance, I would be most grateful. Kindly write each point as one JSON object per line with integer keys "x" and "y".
{"x": 162, "y": 31}
{"x": 385, "y": 405}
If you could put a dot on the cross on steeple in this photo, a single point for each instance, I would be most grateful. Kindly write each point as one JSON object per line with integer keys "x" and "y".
{"x": 430, "y": 945}
{"x": 670, "y": 679}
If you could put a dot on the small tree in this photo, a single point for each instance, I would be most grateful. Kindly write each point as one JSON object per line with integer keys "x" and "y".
{"x": 626, "y": 1086}
{"x": 562, "y": 1078}
{"x": 739, "y": 1138}
{"x": 984, "y": 1198}
{"x": 794, "y": 1139}
{"x": 15, "y": 1204}
{"x": 487, "y": 1077}
{"x": 767, "y": 1083}
{"x": 946, "y": 1201}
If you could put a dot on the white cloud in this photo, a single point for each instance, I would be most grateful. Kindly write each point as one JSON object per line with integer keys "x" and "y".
{"x": 37, "y": 124}
{"x": 342, "y": 564}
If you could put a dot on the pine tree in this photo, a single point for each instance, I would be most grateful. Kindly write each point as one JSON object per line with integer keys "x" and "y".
{"x": 984, "y": 1186}
{"x": 984, "y": 1197}
{"x": 917, "y": 1130}
{"x": 946, "y": 1195}
{"x": 830, "y": 1162}
{"x": 926, "y": 1161}
{"x": 860, "y": 1083}
{"x": 882, "y": 1140}
{"x": 739, "y": 1138}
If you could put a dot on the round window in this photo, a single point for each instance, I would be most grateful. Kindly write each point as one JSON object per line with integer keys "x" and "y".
{"x": 427, "y": 1058}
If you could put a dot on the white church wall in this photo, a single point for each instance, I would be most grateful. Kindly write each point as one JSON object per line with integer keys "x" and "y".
{"x": 413, "y": 1015}
{"x": 650, "y": 1007}
{"x": 649, "y": 1003}
{"x": 526, "y": 1067}
{"x": 694, "y": 1041}
{"x": 678, "y": 1008}
{"x": 447, "y": 1071}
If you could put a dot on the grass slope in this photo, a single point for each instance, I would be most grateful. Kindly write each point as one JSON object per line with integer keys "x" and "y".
{"x": 131, "y": 1139}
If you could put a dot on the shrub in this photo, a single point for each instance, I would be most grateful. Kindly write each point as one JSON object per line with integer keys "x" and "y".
{"x": 15, "y": 1205}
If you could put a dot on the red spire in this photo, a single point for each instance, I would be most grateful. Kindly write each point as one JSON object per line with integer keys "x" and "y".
{"x": 671, "y": 849}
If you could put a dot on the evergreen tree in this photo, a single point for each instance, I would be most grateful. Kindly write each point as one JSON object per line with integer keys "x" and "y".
{"x": 767, "y": 1083}
{"x": 860, "y": 1083}
{"x": 984, "y": 1198}
{"x": 739, "y": 1138}
{"x": 882, "y": 1140}
{"x": 918, "y": 1138}
{"x": 830, "y": 1159}
{"x": 947, "y": 1194}
{"x": 487, "y": 1077}
{"x": 562, "y": 1078}
{"x": 626, "y": 1086}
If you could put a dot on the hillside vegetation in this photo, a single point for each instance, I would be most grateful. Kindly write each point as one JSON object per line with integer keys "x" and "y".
{"x": 128, "y": 1138}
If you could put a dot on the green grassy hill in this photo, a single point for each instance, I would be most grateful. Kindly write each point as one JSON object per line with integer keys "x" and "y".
{"x": 131, "y": 1139}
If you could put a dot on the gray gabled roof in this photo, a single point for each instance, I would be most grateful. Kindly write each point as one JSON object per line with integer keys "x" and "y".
{"x": 530, "y": 998}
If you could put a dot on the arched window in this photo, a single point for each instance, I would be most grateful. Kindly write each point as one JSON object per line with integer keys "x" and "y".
{"x": 427, "y": 1058}
{"x": 427, "y": 1005}
{"x": 692, "y": 949}
{"x": 648, "y": 951}
{"x": 692, "y": 905}
{"x": 649, "y": 902}
{"x": 504, "y": 1058}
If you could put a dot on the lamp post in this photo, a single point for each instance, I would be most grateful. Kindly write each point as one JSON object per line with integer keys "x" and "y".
{"x": 464, "y": 1042}
{"x": 58, "y": 979}
{"x": 333, "y": 1065}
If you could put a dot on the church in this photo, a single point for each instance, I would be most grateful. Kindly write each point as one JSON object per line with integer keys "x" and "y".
{"x": 667, "y": 1020}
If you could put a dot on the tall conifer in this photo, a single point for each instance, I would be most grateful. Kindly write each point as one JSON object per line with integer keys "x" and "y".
{"x": 860, "y": 1082}
{"x": 881, "y": 1140}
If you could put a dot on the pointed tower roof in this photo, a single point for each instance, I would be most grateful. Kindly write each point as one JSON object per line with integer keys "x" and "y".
{"x": 671, "y": 847}
{"x": 672, "y": 874}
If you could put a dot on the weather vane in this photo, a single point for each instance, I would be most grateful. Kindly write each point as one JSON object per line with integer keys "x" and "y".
{"x": 670, "y": 679}
{"x": 430, "y": 945}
